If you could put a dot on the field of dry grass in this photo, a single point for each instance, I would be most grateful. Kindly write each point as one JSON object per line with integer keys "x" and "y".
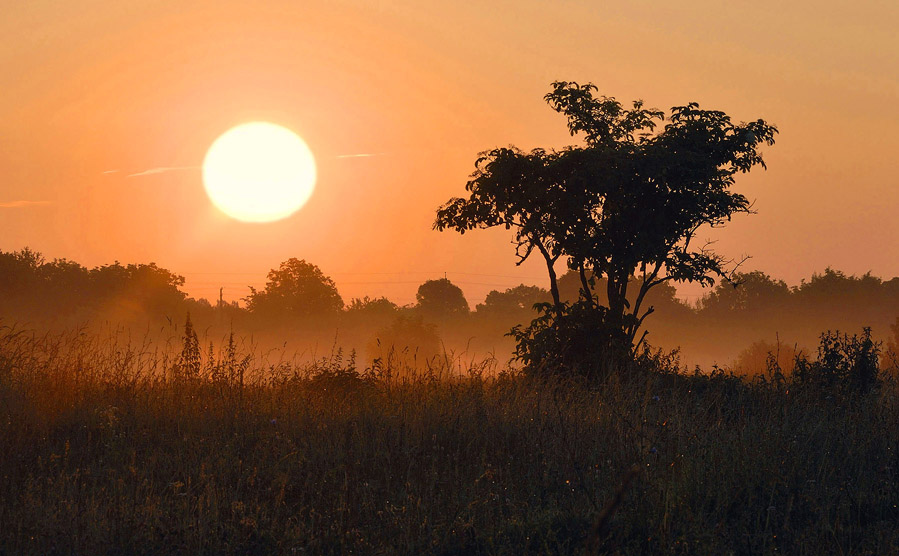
{"x": 109, "y": 446}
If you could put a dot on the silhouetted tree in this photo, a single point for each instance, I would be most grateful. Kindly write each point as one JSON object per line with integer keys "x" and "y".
{"x": 296, "y": 289}
{"x": 628, "y": 204}
{"x": 370, "y": 313}
{"x": 19, "y": 274}
{"x": 514, "y": 303}
{"x": 834, "y": 287}
{"x": 368, "y": 306}
{"x": 745, "y": 291}
{"x": 68, "y": 278}
{"x": 441, "y": 299}
{"x": 36, "y": 289}
{"x": 141, "y": 288}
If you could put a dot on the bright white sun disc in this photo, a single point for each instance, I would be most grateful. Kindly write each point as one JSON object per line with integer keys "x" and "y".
{"x": 259, "y": 172}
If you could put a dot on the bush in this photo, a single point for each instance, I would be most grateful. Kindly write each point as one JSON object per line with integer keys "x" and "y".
{"x": 575, "y": 339}
{"x": 844, "y": 364}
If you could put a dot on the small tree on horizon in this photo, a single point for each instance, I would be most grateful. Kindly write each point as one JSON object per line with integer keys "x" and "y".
{"x": 296, "y": 289}
{"x": 441, "y": 299}
{"x": 744, "y": 292}
{"x": 513, "y": 302}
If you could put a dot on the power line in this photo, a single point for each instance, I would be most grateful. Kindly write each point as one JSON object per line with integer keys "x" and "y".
{"x": 374, "y": 274}
{"x": 217, "y": 284}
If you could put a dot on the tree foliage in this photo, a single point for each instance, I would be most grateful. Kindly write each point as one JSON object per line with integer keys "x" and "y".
{"x": 513, "y": 302}
{"x": 441, "y": 299}
{"x": 745, "y": 291}
{"x": 626, "y": 206}
{"x": 296, "y": 289}
{"x": 32, "y": 286}
{"x": 369, "y": 306}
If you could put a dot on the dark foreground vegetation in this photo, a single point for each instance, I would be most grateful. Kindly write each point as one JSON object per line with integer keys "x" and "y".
{"x": 116, "y": 447}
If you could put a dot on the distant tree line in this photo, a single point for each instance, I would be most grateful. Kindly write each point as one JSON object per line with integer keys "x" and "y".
{"x": 750, "y": 309}
{"x": 35, "y": 289}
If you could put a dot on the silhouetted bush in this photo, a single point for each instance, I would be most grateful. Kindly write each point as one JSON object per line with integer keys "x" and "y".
{"x": 189, "y": 362}
{"x": 845, "y": 364}
{"x": 573, "y": 339}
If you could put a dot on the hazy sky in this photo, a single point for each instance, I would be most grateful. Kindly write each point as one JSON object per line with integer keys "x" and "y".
{"x": 108, "y": 107}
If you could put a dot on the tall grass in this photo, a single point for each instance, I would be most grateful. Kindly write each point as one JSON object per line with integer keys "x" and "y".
{"x": 105, "y": 449}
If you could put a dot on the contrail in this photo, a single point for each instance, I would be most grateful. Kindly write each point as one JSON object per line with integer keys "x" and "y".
{"x": 361, "y": 155}
{"x": 22, "y": 203}
{"x": 164, "y": 169}
{"x": 161, "y": 170}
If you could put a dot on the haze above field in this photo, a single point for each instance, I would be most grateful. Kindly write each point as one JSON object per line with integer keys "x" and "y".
{"x": 107, "y": 109}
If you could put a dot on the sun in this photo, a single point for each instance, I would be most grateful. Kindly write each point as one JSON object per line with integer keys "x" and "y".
{"x": 259, "y": 172}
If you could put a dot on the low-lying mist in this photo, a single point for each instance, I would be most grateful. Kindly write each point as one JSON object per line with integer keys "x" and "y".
{"x": 301, "y": 316}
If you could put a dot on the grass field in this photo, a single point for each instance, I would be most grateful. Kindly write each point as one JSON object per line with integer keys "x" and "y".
{"x": 113, "y": 447}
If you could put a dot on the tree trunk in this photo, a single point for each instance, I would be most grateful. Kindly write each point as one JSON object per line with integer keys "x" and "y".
{"x": 585, "y": 286}
{"x": 553, "y": 284}
{"x": 551, "y": 269}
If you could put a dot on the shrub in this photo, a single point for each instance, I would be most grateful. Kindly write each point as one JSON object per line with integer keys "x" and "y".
{"x": 844, "y": 364}
{"x": 574, "y": 339}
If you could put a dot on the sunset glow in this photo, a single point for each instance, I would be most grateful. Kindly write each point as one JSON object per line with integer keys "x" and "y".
{"x": 429, "y": 277}
{"x": 259, "y": 172}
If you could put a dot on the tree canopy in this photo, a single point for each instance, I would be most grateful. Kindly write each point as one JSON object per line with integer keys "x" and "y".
{"x": 513, "y": 302}
{"x": 440, "y": 299}
{"x": 29, "y": 285}
{"x": 296, "y": 289}
{"x": 745, "y": 291}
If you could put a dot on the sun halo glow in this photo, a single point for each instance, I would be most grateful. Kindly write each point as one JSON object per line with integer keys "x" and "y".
{"x": 259, "y": 172}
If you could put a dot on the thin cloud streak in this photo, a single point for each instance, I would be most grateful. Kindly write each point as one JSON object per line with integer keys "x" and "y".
{"x": 161, "y": 170}
{"x": 22, "y": 203}
{"x": 164, "y": 169}
{"x": 360, "y": 155}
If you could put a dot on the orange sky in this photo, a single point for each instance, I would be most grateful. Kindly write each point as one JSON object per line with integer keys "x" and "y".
{"x": 94, "y": 92}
